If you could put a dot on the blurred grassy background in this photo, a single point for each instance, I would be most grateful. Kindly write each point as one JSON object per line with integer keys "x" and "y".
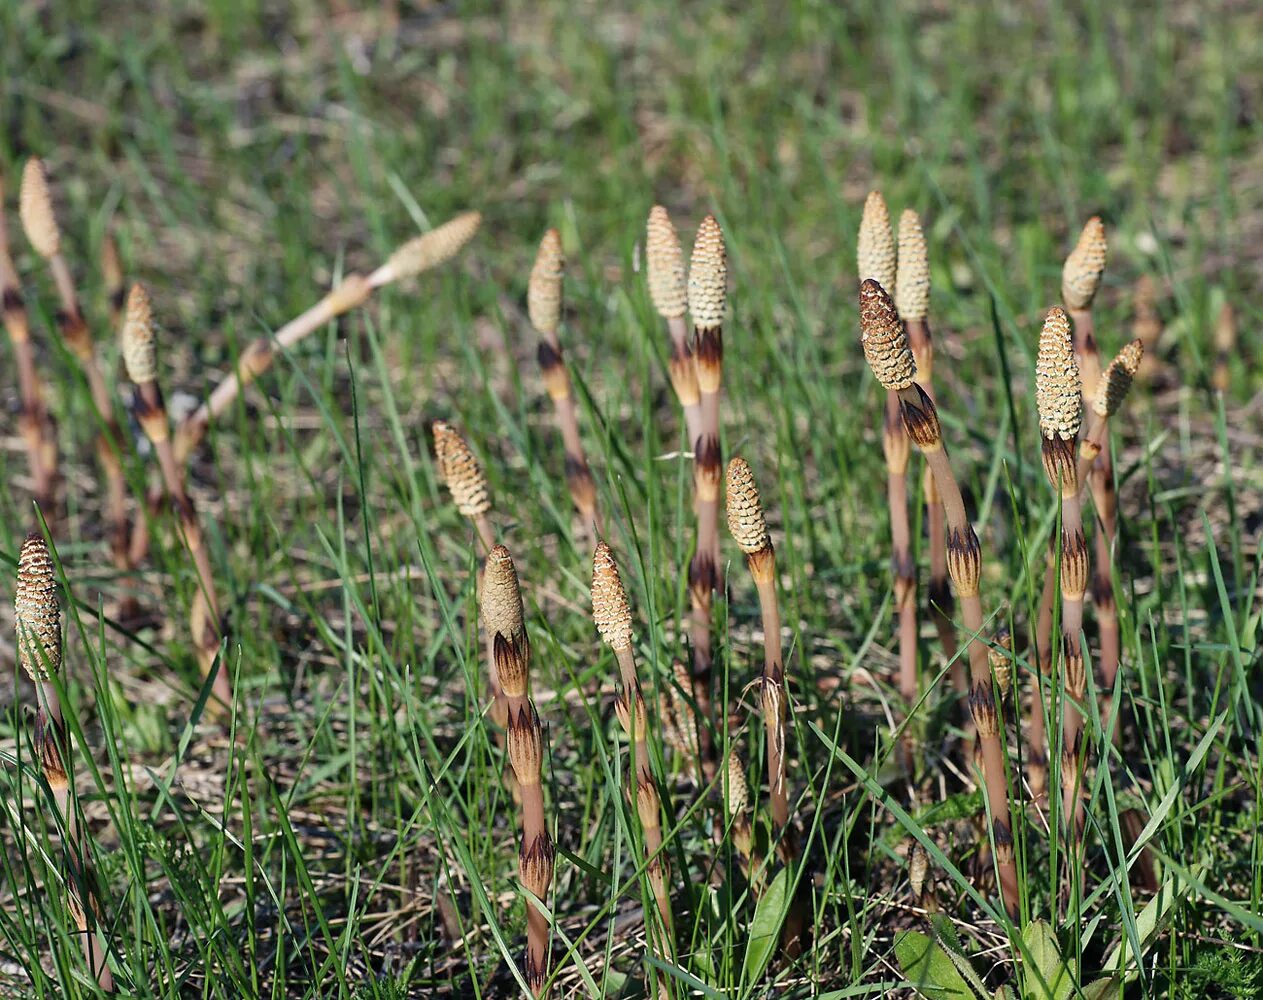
{"x": 246, "y": 153}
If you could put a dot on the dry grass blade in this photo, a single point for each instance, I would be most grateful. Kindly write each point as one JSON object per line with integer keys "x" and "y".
{"x": 37, "y": 620}
{"x": 888, "y": 355}
{"x": 418, "y": 255}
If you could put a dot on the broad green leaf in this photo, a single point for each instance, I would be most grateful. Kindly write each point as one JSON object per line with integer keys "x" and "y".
{"x": 945, "y": 932}
{"x": 929, "y": 968}
{"x": 1102, "y": 989}
{"x": 765, "y": 928}
{"x": 1047, "y": 977}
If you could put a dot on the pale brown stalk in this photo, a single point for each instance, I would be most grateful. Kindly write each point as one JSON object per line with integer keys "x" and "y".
{"x": 912, "y": 299}
{"x": 40, "y": 223}
{"x": 139, "y": 343}
{"x": 543, "y": 300}
{"x": 748, "y": 526}
{"x": 37, "y": 618}
{"x": 707, "y": 300}
{"x": 501, "y": 601}
{"x": 420, "y": 254}
{"x": 886, "y": 350}
{"x": 38, "y": 433}
{"x": 1058, "y": 387}
{"x": 612, "y": 614}
{"x": 876, "y": 258}
{"x": 1037, "y": 756}
{"x": 668, "y": 288}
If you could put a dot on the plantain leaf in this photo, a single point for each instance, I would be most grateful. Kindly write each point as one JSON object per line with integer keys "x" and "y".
{"x": 1047, "y": 977}
{"x": 929, "y": 968}
{"x": 765, "y": 927}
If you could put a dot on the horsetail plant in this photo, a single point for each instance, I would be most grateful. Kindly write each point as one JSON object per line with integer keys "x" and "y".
{"x": 748, "y": 526}
{"x": 1058, "y": 387}
{"x": 543, "y": 305}
{"x": 876, "y": 258}
{"x": 40, "y": 222}
{"x": 115, "y": 284}
{"x": 38, "y": 623}
{"x": 612, "y": 615}
{"x": 465, "y": 480}
{"x": 707, "y": 299}
{"x": 886, "y": 349}
{"x": 912, "y": 299}
{"x": 140, "y": 358}
{"x": 501, "y": 599}
{"x": 38, "y": 434}
{"x": 420, "y": 254}
{"x": 737, "y": 799}
{"x": 1080, "y": 281}
{"x": 679, "y": 723}
{"x": 668, "y": 288}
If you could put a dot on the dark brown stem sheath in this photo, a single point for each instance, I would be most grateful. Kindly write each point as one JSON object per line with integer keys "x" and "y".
{"x": 964, "y": 564}
{"x": 684, "y": 377}
{"x": 942, "y": 605}
{"x": 578, "y": 473}
{"x": 204, "y": 616}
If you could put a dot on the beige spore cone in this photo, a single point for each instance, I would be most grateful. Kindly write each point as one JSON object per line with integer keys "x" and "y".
{"x": 1117, "y": 378}
{"x": 912, "y": 284}
{"x": 439, "y": 245}
{"x": 543, "y": 293}
{"x": 139, "y": 339}
{"x": 875, "y": 253}
{"x": 460, "y": 471}
{"x": 1081, "y": 275}
{"x": 610, "y": 609}
{"x": 884, "y": 339}
{"x": 35, "y": 207}
{"x": 668, "y": 286}
{"x": 36, "y": 614}
{"x": 708, "y": 276}
{"x": 745, "y": 509}
{"x": 1057, "y": 382}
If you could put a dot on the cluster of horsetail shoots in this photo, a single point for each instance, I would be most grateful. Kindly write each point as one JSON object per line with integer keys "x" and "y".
{"x": 501, "y": 599}
{"x": 34, "y": 422}
{"x": 707, "y": 300}
{"x": 37, "y": 617}
{"x": 886, "y": 349}
{"x": 543, "y": 306}
{"x": 40, "y": 223}
{"x": 140, "y": 358}
{"x": 668, "y": 288}
{"x": 912, "y": 299}
{"x": 612, "y": 615}
{"x": 420, "y": 254}
{"x": 465, "y": 480}
{"x": 1058, "y": 388}
{"x": 876, "y": 257}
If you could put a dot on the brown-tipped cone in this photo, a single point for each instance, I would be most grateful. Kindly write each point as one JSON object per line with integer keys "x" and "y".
{"x": 1117, "y": 378}
{"x": 735, "y": 785}
{"x": 883, "y": 337}
{"x": 460, "y": 471}
{"x": 708, "y": 276}
{"x": 918, "y": 869}
{"x": 139, "y": 340}
{"x": 1057, "y": 383}
{"x": 610, "y": 609}
{"x": 668, "y": 286}
{"x": 912, "y": 281}
{"x": 1081, "y": 275}
{"x": 745, "y": 510}
{"x": 543, "y": 293}
{"x": 36, "y": 614}
{"x": 439, "y": 245}
{"x": 501, "y": 595}
{"x": 35, "y": 206}
{"x": 1001, "y": 665}
{"x": 875, "y": 248}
